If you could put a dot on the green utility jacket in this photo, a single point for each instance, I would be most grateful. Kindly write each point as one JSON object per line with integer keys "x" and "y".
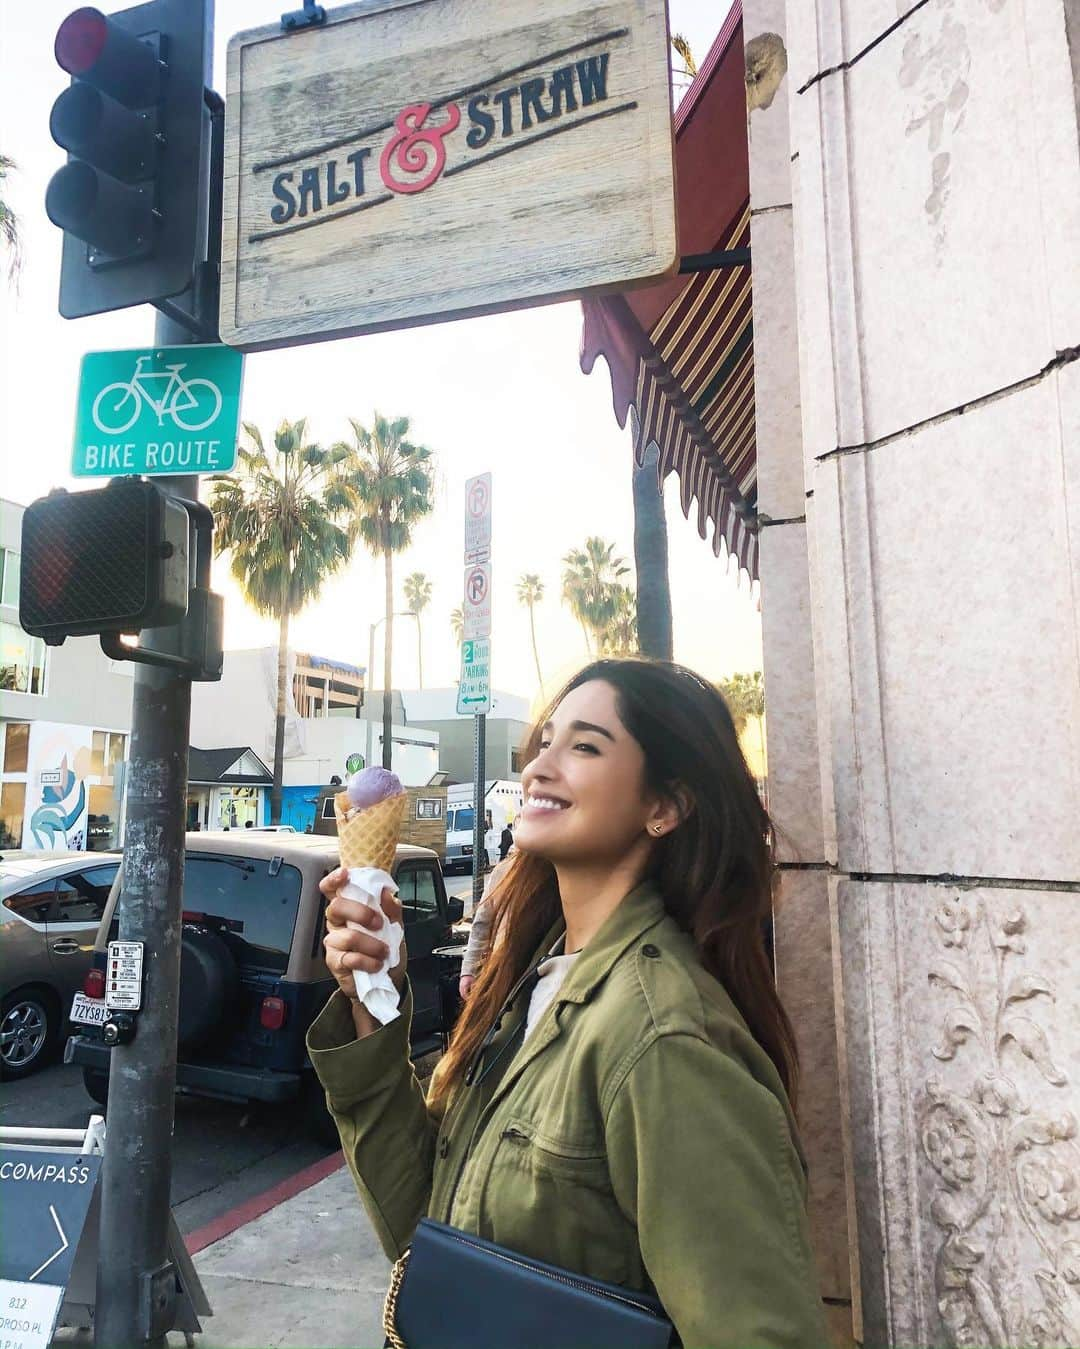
{"x": 640, "y": 1135}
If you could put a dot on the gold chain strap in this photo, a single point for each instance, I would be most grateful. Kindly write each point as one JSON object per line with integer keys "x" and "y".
{"x": 389, "y": 1315}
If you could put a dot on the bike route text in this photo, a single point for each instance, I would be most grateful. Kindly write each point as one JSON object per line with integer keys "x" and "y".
{"x": 154, "y": 454}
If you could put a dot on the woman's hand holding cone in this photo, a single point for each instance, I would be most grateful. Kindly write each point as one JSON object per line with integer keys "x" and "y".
{"x": 347, "y": 948}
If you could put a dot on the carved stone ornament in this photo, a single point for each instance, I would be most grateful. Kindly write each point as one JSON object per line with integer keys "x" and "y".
{"x": 1006, "y": 1183}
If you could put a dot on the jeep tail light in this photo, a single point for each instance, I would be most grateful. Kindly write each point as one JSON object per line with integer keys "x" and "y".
{"x": 272, "y": 1013}
{"x": 94, "y": 984}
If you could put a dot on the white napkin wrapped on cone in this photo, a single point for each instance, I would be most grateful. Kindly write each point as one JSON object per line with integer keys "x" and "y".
{"x": 376, "y": 991}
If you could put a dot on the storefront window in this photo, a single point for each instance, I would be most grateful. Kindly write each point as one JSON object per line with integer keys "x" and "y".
{"x": 116, "y": 754}
{"x": 16, "y": 746}
{"x": 22, "y": 660}
{"x": 9, "y": 582}
{"x": 103, "y": 821}
{"x": 12, "y": 809}
{"x": 237, "y": 806}
{"x": 97, "y": 754}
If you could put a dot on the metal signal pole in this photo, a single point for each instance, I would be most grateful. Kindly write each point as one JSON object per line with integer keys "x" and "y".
{"x": 136, "y": 1282}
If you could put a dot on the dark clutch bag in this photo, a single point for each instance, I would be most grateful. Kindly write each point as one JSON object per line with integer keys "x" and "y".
{"x": 452, "y": 1290}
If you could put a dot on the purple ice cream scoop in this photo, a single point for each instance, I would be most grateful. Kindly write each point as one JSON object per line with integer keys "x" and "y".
{"x": 372, "y": 785}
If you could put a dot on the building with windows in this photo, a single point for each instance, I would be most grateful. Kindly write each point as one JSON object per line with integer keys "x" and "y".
{"x": 65, "y": 715}
{"x": 435, "y": 710}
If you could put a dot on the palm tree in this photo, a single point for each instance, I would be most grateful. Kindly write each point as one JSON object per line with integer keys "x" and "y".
{"x": 418, "y": 597}
{"x": 530, "y": 591}
{"x": 745, "y": 697}
{"x": 392, "y": 480}
{"x": 284, "y": 519}
{"x": 457, "y": 623}
{"x": 620, "y": 637}
{"x": 590, "y": 577}
{"x": 651, "y": 557}
{"x": 10, "y": 234}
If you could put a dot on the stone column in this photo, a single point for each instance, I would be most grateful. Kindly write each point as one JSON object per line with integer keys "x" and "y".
{"x": 937, "y": 254}
{"x": 802, "y": 928}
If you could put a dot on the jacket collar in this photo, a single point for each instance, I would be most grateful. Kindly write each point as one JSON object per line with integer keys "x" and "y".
{"x": 635, "y": 915}
{"x": 641, "y": 910}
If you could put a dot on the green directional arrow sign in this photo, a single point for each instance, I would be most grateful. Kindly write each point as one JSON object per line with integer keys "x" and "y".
{"x": 157, "y": 410}
{"x": 474, "y": 691}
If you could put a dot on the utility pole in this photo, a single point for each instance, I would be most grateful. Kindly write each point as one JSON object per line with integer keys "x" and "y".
{"x": 135, "y": 1279}
{"x": 136, "y": 1282}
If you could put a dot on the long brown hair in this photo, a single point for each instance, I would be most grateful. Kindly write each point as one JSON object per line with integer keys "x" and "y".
{"x": 714, "y": 872}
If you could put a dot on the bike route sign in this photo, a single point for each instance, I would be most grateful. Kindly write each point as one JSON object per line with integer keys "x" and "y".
{"x": 157, "y": 410}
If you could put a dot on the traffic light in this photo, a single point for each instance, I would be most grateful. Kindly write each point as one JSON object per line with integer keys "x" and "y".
{"x": 132, "y": 198}
{"x": 107, "y": 561}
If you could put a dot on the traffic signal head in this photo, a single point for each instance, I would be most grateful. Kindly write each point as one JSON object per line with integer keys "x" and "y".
{"x": 110, "y": 560}
{"x": 132, "y": 199}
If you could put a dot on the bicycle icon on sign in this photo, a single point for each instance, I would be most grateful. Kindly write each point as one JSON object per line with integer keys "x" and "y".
{"x": 191, "y": 403}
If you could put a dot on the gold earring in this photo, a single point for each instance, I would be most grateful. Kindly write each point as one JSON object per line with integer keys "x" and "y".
{"x": 658, "y": 828}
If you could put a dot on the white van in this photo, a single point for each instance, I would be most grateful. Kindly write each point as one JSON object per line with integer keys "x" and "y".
{"x": 502, "y": 803}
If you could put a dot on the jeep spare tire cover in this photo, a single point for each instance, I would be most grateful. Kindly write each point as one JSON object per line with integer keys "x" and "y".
{"x": 209, "y": 986}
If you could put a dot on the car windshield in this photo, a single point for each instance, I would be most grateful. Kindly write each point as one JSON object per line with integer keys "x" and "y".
{"x": 252, "y": 903}
{"x": 463, "y": 819}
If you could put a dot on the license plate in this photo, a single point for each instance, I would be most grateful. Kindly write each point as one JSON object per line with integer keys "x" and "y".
{"x": 89, "y": 1011}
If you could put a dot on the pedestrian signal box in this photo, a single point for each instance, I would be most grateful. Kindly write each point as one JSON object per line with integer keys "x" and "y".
{"x": 114, "y": 560}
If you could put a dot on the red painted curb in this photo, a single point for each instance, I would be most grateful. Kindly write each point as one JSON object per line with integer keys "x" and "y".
{"x": 254, "y": 1208}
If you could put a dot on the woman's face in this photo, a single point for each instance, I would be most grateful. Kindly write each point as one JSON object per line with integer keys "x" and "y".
{"x": 585, "y": 798}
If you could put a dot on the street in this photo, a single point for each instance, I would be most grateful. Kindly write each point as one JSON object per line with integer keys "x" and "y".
{"x": 223, "y": 1154}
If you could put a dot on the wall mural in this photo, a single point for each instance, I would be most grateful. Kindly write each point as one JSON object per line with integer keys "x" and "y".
{"x": 56, "y": 788}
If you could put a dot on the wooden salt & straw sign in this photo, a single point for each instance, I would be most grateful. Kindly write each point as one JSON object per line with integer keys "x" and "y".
{"x": 417, "y": 160}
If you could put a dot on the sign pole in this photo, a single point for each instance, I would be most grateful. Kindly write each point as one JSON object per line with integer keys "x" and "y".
{"x": 479, "y": 813}
{"x": 136, "y": 1281}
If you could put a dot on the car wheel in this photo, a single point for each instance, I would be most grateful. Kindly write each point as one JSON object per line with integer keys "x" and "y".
{"x": 97, "y": 1085}
{"x": 29, "y": 1023}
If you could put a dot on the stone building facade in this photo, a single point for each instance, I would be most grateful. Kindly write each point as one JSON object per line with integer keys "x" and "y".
{"x": 915, "y": 199}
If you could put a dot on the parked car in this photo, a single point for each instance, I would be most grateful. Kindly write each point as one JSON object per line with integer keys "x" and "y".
{"x": 51, "y": 904}
{"x": 252, "y": 975}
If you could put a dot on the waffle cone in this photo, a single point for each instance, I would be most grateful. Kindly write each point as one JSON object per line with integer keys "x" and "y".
{"x": 370, "y": 838}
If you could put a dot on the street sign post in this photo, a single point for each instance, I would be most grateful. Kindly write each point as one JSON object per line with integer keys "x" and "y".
{"x": 474, "y": 691}
{"x": 157, "y": 410}
{"x": 474, "y": 686}
{"x": 46, "y": 1197}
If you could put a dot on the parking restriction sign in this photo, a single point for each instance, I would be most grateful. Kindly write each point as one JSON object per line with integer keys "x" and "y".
{"x": 478, "y": 518}
{"x": 477, "y": 601}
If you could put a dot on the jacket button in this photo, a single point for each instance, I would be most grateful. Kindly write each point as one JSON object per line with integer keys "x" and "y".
{"x": 651, "y": 952}
{"x": 444, "y": 1147}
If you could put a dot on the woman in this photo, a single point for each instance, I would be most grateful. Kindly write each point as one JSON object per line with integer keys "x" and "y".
{"x": 615, "y": 1099}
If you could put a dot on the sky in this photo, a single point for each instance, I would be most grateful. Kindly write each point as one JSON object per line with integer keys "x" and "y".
{"x": 503, "y": 393}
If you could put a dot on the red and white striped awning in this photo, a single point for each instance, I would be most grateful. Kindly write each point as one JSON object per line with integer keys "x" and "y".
{"x": 682, "y": 353}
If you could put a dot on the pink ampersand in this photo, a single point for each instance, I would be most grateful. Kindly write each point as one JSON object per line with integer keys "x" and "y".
{"x": 416, "y": 149}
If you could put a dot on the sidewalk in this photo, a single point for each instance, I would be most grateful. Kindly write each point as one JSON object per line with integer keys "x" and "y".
{"x": 308, "y": 1272}
{"x": 305, "y": 1272}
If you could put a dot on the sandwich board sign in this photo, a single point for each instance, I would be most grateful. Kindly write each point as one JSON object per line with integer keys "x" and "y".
{"x": 46, "y": 1199}
{"x": 409, "y": 161}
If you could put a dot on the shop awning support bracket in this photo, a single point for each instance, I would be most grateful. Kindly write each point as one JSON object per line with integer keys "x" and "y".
{"x": 713, "y": 262}
{"x": 309, "y": 17}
